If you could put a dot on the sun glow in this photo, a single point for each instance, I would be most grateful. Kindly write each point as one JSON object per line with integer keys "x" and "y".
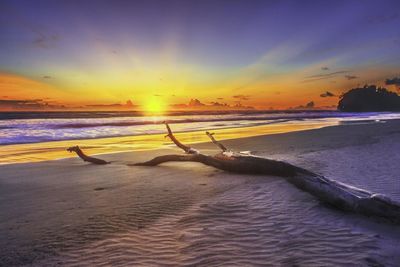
{"x": 154, "y": 107}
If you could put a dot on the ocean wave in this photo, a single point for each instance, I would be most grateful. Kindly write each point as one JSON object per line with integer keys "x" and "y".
{"x": 18, "y": 131}
{"x": 123, "y": 114}
{"x": 174, "y": 121}
{"x": 126, "y": 122}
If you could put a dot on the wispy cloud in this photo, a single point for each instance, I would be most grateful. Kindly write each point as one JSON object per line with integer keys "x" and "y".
{"x": 45, "y": 41}
{"x": 327, "y": 74}
{"x": 242, "y": 97}
{"x": 350, "y": 77}
{"x": 323, "y": 76}
{"x": 42, "y": 38}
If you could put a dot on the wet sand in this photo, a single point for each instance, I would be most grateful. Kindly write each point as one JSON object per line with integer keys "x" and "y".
{"x": 70, "y": 213}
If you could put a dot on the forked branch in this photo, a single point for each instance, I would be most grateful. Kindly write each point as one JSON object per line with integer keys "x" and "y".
{"x": 187, "y": 149}
{"x": 221, "y": 146}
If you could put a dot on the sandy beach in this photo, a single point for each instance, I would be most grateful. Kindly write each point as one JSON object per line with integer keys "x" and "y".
{"x": 199, "y": 133}
{"x": 70, "y": 213}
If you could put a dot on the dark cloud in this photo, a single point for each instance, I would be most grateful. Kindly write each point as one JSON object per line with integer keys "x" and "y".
{"x": 239, "y": 105}
{"x": 327, "y": 94}
{"x": 195, "y": 103}
{"x": 324, "y": 76}
{"x": 44, "y": 40}
{"x": 27, "y": 104}
{"x": 309, "y": 105}
{"x": 220, "y": 98}
{"x": 242, "y": 97}
{"x": 218, "y": 104}
{"x": 128, "y": 104}
{"x": 46, "y": 77}
{"x": 393, "y": 81}
{"x": 350, "y": 77}
{"x": 157, "y": 95}
{"x": 324, "y": 68}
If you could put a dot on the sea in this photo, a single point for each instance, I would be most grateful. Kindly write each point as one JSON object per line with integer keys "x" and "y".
{"x": 34, "y": 127}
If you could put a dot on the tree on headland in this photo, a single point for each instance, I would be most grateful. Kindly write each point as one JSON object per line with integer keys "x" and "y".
{"x": 369, "y": 98}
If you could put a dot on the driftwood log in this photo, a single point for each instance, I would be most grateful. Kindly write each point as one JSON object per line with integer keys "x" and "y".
{"x": 334, "y": 193}
{"x": 85, "y": 157}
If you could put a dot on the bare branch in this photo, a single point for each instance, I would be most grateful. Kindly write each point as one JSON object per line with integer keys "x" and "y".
{"x": 165, "y": 158}
{"x": 185, "y": 148}
{"x": 221, "y": 146}
{"x": 85, "y": 157}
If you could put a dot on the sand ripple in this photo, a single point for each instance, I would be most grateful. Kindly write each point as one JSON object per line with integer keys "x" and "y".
{"x": 251, "y": 225}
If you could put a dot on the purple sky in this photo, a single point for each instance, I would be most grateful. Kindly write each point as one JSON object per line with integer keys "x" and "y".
{"x": 215, "y": 40}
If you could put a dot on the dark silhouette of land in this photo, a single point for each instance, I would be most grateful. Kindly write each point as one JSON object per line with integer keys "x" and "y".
{"x": 369, "y": 98}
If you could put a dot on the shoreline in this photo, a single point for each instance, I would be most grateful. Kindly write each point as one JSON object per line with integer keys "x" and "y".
{"x": 55, "y": 150}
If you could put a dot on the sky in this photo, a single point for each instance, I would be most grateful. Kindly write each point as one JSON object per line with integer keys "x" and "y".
{"x": 221, "y": 54}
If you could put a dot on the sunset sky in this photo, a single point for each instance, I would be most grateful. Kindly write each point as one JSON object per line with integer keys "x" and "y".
{"x": 159, "y": 54}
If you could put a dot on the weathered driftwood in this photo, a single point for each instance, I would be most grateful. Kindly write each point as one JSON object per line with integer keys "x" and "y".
{"x": 221, "y": 146}
{"x": 334, "y": 193}
{"x": 185, "y": 148}
{"x": 85, "y": 157}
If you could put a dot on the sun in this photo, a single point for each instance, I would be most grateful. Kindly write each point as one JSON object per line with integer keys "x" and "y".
{"x": 154, "y": 107}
